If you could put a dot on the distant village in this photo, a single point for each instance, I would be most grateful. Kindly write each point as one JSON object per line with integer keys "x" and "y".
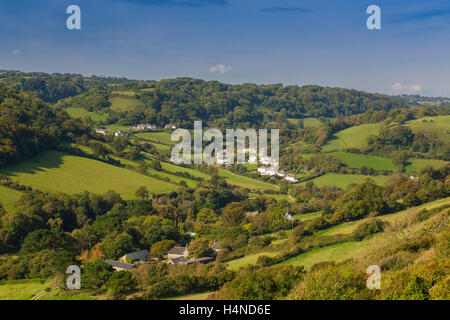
{"x": 270, "y": 167}
{"x": 138, "y": 127}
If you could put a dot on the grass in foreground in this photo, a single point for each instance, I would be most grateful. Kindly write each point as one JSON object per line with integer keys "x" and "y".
{"x": 349, "y": 227}
{"x": 196, "y": 296}
{"x": 14, "y": 290}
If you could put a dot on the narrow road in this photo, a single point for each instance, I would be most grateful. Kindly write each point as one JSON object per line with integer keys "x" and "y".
{"x": 39, "y": 295}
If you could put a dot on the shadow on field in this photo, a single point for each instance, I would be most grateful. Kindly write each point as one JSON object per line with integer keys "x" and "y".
{"x": 40, "y": 163}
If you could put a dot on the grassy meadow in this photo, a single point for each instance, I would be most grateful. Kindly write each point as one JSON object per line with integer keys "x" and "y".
{"x": 9, "y": 197}
{"x": 22, "y": 290}
{"x": 344, "y": 180}
{"x": 57, "y": 172}
{"x": 353, "y": 137}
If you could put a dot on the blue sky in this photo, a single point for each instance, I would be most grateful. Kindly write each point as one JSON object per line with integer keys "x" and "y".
{"x": 236, "y": 41}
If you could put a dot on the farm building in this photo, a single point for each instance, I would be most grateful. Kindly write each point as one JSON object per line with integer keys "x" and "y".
{"x": 119, "y": 266}
{"x": 177, "y": 252}
{"x": 138, "y": 256}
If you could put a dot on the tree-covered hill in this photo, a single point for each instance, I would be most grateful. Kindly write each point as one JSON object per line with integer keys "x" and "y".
{"x": 28, "y": 125}
{"x": 183, "y": 100}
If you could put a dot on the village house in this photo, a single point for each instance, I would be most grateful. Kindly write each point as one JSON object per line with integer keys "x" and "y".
{"x": 252, "y": 213}
{"x": 178, "y": 252}
{"x": 120, "y": 133}
{"x": 119, "y": 266}
{"x": 142, "y": 127}
{"x": 288, "y": 217}
{"x": 216, "y": 246}
{"x": 101, "y": 131}
{"x": 267, "y": 171}
{"x": 138, "y": 256}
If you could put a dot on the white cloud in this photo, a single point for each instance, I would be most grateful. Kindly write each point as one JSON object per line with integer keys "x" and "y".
{"x": 15, "y": 52}
{"x": 409, "y": 89}
{"x": 220, "y": 68}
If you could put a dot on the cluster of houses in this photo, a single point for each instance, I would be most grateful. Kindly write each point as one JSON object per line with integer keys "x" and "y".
{"x": 273, "y": 171}
{"x": 142, "y": 127}
{"x": 176, "y": 255}
{"x": 138, "y": 127}
{"x": 104, "y": 131}
{"x": 152, "y": 127}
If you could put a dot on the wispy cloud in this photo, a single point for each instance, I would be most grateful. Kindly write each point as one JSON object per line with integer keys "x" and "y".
{"x": 183, "y": 3}
{"x": 288, "y": 9}
{"x": 16, "y": 52}
{"x": 422, "y": 15}
{"x": 220, "y": 68}
{"x": 408, "y": 89}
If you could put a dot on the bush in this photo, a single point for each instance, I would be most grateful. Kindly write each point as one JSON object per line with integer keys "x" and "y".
{"x": 368, "y": 228}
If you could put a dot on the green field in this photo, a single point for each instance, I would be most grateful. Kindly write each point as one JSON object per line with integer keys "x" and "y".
{"x": 440, "y": 125}
{"x": 307, "y": 122}
{"x": 121, "y": 104}
{"x": 15, "y": 290}
{"x": 174, "y": 168}
{"x": 353, "y": 160}
{"x": 343, "y": 180}
{"x": 196, "y": 296}
{"x": 57, "y": 172}
{"x": 8, "y": 198}
{"x": 159, "y": 137}
{"x": 67, "y": 295}
{"x": 248, "y": 260}
{"x": 349, "y": 227}
{"x": 245, "y": 182}
{"x": 353, "y": 137}
{"x": 83, "y": 113}
{"x": 336, "y": 253}
{"x": 354, "y": 249}
{"x": 416, "y": 164}
{"x": 307, "y": 216}
{"x": 125, "y": 93}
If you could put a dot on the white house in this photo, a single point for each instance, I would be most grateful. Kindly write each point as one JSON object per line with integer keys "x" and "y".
{"x": 288, "y": 217}
{"x": 268, "y": 171}
{"x": 119, "y": 133}
{"x": 101, "y": 131}
{"x": 291, "y": 178}
{"x": 145, "y": 127}
{"x": 178, "y": 252}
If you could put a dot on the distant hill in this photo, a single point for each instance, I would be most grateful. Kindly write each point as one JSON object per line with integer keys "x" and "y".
{"x": 183, "y": 100}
